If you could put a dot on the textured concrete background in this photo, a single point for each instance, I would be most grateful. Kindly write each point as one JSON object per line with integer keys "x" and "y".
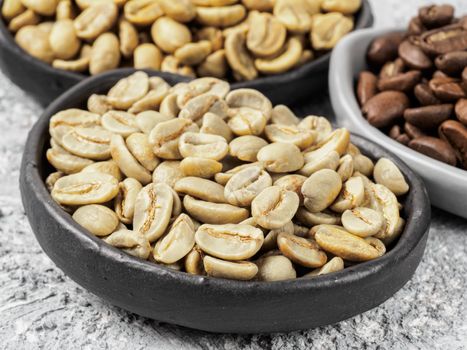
{"x": 40, "y": 308}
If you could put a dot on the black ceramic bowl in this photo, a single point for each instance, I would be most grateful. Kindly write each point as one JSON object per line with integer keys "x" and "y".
{"x": 46, "y": 83}
{"x": 206, "y": 303}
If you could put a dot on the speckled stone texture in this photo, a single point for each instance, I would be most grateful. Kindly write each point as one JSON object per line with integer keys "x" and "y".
{"x": 40, "y": 308}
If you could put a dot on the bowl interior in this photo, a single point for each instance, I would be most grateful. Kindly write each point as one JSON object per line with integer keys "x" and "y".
{"x": 416, "y": 205}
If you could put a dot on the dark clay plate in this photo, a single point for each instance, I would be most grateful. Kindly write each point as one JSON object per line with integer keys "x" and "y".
{"x": 46, "y": 83}
{"x": 205, "y": 303}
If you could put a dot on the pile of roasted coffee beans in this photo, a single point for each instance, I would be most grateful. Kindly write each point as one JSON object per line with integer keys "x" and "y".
{"x": 416, "y": 87}
{"x": 229, "y": 39}
{"x": 210, "y": 181}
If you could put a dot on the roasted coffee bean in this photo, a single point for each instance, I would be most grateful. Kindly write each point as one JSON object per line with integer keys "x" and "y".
{"x": 436, "y": 15}
{"x": 428, "y": 117}
{"x": 434, "y": 148}
{"x": 404, "y": 82}
{"x": 395, "y": 132}
{"x": 385, "y": 108}
{"x": 384, "y": 48}
{"x": 413, "y": 56}
{"x": 366, "y": 87}
{"x": 452, "y": 62}
{"x": 425, "y": 96}
{"x": 445, "y": 39}
{"x": 392, "y": 68}
{"x": 412, "y": 131}
{"x": 447, "y": 89}
{"x": 456, "y": 135}
{"x": 416, "y": 26}
{"x": 404, "y": 139}
{"x": 461, "y": 110}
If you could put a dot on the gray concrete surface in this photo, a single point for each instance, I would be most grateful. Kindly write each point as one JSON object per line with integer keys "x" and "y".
{"x": 41, "y": 308}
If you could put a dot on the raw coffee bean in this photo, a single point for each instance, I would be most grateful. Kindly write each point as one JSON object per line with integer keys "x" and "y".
{"x": 425, "y": 96}
{"x": 388, "y": 174}
{"x": 428, "y": 117}
{"x": 131, "y": 242}
{"x": 275, "y": 268}
{"x": 447, "y": 89}
{"x": 384, "y": 48}
{"x": 461, "y": 110}
{"x": 452, "y": 63}
{"x": 97, "y": 219}
{"x": 385, "y": 108}
{"x": 239, "y": 270}
{"x": 300, "y": 250}
{"x": 366, "y": 87}
{"x": 413, "y": 56}
{"x": 434, "y": 148}
{"x": 436, "y": 15}
{"x": 412, "y": 131}
{"x": 456, "y": 135}
{"x": 404, "y": 82}
{"x": 230, "y": 242}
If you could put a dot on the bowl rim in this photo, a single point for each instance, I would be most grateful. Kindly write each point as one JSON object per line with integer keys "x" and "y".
{"x": 344, "y": 95}
{"x": 34, "y": 153}
{"x": 364, "y": 19}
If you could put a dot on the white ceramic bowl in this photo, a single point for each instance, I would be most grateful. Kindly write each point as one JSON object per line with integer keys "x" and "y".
{"x": 446, "y": 185}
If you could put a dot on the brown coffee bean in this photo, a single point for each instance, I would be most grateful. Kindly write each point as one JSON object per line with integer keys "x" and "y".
{"x": 413, "y": 56}
{"x": 385, "y": 108}
{"x": 416, "y": 26}
{"x": 404, "y": 139}
{"x": 447, "y": 89}
{"x": 412, "y": 131}
{"x": 428, "y": 117}
{"x": 434, "y": 16}
{"x": 461, "y": 110}
{"x": 452, "y": 62}
{"x": 401, "y": 82}
{"x": 456, "y": 135}
{"x": 384, "y": 48}
{"x": 395, "y": 132}
{"x": 366, "y": 87}
{"x": 425, "y": 96}
{"x": 392, "y": 68}
{"x": 464, "y": 75}
{"x": 445, "y": 39}
{"x": 434, "y": 148}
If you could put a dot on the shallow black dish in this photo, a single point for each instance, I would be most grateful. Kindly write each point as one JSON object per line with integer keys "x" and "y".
{"x": 46, "y": 83}
{"x": 205, "y": 303}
